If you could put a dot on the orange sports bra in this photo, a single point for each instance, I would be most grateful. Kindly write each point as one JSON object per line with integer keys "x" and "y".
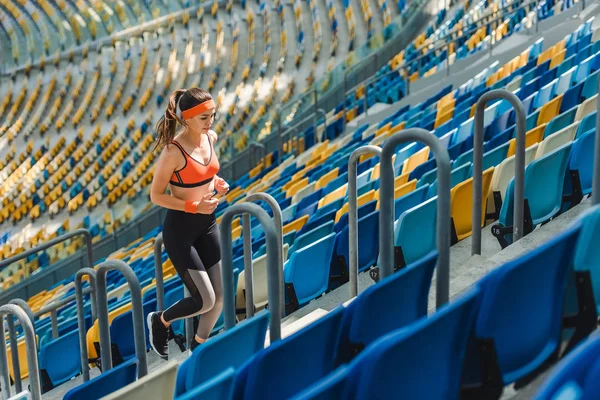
{"x": 194, "y": 173}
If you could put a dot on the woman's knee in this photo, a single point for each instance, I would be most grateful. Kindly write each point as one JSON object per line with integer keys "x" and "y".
{"x": 208, "y": 300}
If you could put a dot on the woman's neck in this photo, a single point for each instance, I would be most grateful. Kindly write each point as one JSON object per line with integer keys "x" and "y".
{"x": 193, "y": 136}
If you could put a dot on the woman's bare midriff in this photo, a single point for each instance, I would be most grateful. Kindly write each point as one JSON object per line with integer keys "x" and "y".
{"x": 194, "y": 194}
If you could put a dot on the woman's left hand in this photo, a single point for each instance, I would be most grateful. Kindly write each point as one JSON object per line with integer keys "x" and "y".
{"x": 221, "y": 186}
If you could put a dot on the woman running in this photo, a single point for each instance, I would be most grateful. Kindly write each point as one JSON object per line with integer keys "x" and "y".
{"x": 188, "y": 165}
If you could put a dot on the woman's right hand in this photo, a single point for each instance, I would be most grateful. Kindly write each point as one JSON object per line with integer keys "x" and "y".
{"x": 207, "y": 205}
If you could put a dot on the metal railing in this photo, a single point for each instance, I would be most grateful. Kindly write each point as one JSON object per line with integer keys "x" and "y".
{"x": 88, "y": 243}
{"x": 137, "y": 311}
{"x": 353, "y": 213}
{"x": 596, "y": 176}
{"x": 278, "y": 221}
{"x": 12, "y": 334}
{"x": 273, "y": 270}
{"x": 12, "y": 310}
{"x": 386, "y": 208}
{"x": 521, "y": 129}
{"x": 91, "y": 273}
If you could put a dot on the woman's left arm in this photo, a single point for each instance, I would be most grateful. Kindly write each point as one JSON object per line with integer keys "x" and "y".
{"x": 221, "y": 185}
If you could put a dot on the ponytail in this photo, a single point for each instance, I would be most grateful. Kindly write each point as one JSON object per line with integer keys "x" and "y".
{"x": 167, "y": 124}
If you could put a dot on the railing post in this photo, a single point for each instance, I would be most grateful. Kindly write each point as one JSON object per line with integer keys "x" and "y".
{"x": 596, "y": 177}
{"x": 158, "y": 273}
{"x": 139, "y": 332}
{"x": 13, "y": 339}
{"x": 248, "y": 278}
{"x": 386, "y": 209}
{"x": 91, "y": 273}
{"x": 278, "y": 221}
{"x": 272, "y": 267}
{"x": 478, "y": 161}
{"x": 34, "y": 372}
{"x": 353, "y": 213}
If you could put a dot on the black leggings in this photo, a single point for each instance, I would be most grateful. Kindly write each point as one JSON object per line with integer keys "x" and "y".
{"x": 193, "y": 245}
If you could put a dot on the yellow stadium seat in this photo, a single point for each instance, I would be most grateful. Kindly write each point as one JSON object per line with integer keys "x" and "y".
{"x": 549, "y": 110}
{"x": 415, "y": 160}
{"x": 532, "y": 137}
{"x": 461, "y": 204}
{"x": 362, "y": 200}
{"x": 325, "y": 179}
{"x": 339, "y": 193}
{"x": 295, "y": 225}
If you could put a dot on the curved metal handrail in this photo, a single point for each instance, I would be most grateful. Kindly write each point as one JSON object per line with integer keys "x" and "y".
{"x": 386, "y": 206}
{"x": 139, "y": 331}
{"x": 353, "y": 213}
{"x": 31, "y": 346}
{"x": 273, "y": 270}
{"x": 91, "y": 273}
{"x": 521, "y": 119}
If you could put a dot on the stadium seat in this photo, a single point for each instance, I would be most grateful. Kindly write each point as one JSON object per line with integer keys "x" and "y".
{"x": 517, "y": 329}
{"x": 60, "y": 360}
{"x": 306, "y": 273}
{"x": 414, "y": 239}
{"x": 106, "y": 383}
{"x": 402, "y": 297}
{"x": 417, "y": 348}
{"x": 159, "y": 383}
{"x": 231, "y": 349}
{"x": 217, "y": 388}
{"x": 310, "y": 352}
{"x": 544, "y": 180}
{"x": 576, "y": 376}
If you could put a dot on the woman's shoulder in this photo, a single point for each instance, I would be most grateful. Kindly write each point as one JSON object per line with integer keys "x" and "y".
{"x": 212, "y": 135}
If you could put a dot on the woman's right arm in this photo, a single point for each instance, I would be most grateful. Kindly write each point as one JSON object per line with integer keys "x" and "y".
{"x": 165, "y": 166}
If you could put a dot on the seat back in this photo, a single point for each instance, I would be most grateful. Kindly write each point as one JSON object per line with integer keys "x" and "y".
{"x": 368, "y": 241}
{"x": 393, "y": 303}
{"x": 310, "y": 353}
{"x": 121, "y": 330}
{"x": 461, "y": 203}
{"x": 579, "y": 368}
{"x": 103, "y": 385}
{"x": 61, "y": 358}
{"x": 230, "y": 349}
{"x": 217, "y": 388}
{"x": 311, "y": 236}
{"x": 587, "y": 253}
{"x": 329, "y": 388}
{"x": 158, "y": 384}
{"x": 428, "y": 353}
{"x": 544, "y": 179}
{"x": 414, "y": 236}
{"x": 308, "y": 269}
{"x": 556, "y": 140}
{"x": 582, "y": 159}
{"x": 525, "y": 324}
{"x": 259, "y": 282}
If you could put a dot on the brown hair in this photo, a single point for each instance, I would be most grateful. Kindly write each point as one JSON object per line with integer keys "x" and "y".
{"x": 186, "y": 99}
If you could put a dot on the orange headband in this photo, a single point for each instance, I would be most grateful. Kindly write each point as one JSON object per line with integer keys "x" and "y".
{"x": 197, "y": 110}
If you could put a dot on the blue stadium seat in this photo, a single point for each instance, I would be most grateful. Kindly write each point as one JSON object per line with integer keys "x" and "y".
{"x": 230, "y": 349}
{"x": 417, "y": 361}
{"x": 60, "y": 360}
{"x": 306, "y": 273}
{"x": 518, "y": 329}
{"x": 577, "y": 376}
{"x": 544, "y": 179}
{"x": 311, "y": 236}
{"x": 401, "y": 297}
{"x": 329, "y": 388}
{"x": 121, "y": 334}
{"x": 102, "y": 385}
{"x": 368, "y": 245}
{"x": 578, "y": 179}
{"x": 219, "y": 387}
{"x": 414, "y": 239}
{"x": 288, "y": 366}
